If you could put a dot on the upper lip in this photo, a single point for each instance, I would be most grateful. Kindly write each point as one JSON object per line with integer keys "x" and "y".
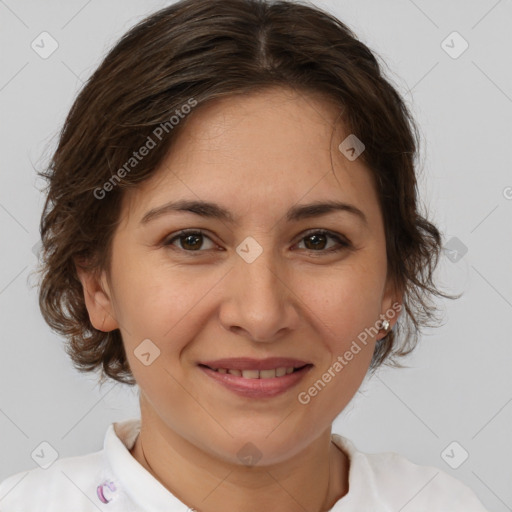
{"x": 246, "y": 363}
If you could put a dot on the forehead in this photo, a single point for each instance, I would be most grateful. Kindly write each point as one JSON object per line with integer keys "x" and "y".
{"x": 258, "y": 154}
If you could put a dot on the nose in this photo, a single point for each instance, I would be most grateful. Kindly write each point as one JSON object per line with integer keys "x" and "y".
{"x": 258, "y": 300}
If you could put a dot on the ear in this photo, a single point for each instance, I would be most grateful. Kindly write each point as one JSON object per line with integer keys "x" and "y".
{"x": 392, "y": 304}
{"x": 98, "y": 299}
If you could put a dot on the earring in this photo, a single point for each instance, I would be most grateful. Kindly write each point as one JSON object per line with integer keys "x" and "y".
{"x": 385, "y": 325}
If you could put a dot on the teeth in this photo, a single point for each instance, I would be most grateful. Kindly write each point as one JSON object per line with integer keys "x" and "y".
{"x": 255, "y": 374}
{"x": 250, "y": 374}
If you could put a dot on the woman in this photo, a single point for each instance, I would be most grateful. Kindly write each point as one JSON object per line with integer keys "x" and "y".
{"x": 232, "y": 225}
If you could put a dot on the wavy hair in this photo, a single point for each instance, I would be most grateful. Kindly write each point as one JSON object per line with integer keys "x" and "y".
{"x": 206, "y": 49}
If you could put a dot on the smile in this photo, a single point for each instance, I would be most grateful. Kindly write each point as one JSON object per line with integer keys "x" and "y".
{"x": 258, "y": 374}
{"x": 257, "y": 383}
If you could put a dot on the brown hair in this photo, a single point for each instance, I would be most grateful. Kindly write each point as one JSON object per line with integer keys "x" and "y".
{"x": 195, "y": 51}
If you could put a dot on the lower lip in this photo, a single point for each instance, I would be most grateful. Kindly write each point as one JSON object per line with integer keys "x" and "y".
{"x": 257, "y": 388}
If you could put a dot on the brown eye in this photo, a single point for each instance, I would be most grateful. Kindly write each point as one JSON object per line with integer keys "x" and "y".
{"x": 317, "y": 241}
{"x": 190, "y": 241}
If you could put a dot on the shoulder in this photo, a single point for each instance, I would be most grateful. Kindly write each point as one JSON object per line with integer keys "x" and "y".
{"x": 423, "y": 487}
{"x": 84, "y": 483}
{"x": 402, "y": 484}
{"x": 68, "y": 484}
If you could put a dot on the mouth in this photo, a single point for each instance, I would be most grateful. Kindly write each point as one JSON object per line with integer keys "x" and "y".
{"x": 256, "y": 383}
{"x": 270, "y": 373}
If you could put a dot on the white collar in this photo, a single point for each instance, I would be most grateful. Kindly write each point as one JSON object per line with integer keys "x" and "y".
{"x": 149, "y": 494}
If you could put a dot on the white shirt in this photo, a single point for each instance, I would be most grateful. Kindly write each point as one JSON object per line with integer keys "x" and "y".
{"x": 112, "y": 480}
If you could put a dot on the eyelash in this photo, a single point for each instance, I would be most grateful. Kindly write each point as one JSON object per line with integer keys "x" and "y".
{"x": 342, "y": 242}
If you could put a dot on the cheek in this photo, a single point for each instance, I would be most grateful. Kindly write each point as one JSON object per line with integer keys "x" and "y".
{"x": 152, "y": 299}
{"x": 342, "y": 311}
{"x": 346, "y": 300}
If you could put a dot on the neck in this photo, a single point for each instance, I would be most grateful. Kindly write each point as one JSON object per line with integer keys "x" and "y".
{"x": 312, "y": 479}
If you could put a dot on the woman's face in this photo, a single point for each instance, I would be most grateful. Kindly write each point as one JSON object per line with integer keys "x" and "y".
{"x": 257, "y": 285}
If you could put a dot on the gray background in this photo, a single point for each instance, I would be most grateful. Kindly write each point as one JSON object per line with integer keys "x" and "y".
{"x": 458, "y": 386}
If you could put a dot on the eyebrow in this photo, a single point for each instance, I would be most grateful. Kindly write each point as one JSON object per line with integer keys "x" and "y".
{"x": 214, "y": 211}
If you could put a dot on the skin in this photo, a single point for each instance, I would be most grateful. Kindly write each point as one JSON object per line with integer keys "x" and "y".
{"x": 256, "y": 155}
